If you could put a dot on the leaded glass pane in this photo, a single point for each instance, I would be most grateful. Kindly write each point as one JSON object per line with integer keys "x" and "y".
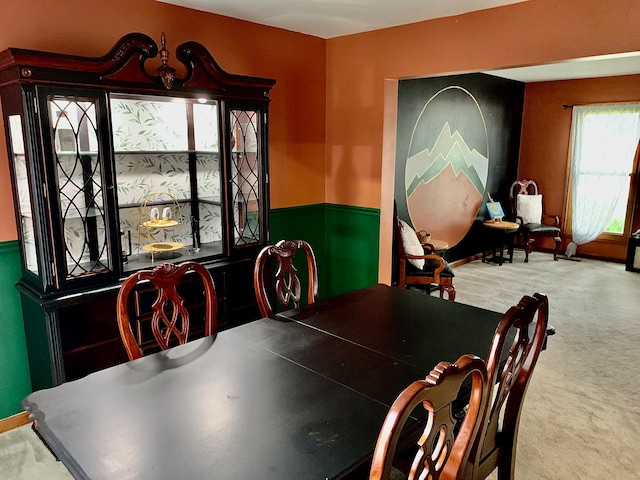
{"x": 80, "y": 188}
{"x": 245, "y": 175}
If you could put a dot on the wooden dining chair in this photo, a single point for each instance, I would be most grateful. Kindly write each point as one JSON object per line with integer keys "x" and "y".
{"x": 527, "y": 206}
{"x": 274, "y": 274}
{"x": 442, "y": 450}
{"x": 156, "y": 307}
{"x": 523, "y": 330}
{"x": 418, "y": 264}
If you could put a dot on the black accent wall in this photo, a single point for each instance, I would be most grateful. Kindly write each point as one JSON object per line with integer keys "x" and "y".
{"x": 494, "y": 132}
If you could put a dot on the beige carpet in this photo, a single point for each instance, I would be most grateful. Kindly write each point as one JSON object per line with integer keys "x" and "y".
{"x": 581, "y": 418}
{"x": 24, "y": 457}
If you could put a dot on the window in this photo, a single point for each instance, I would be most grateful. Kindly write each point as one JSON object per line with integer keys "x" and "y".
{"x": 604, "y": 144}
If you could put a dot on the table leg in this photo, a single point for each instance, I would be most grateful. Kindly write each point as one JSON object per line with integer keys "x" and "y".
{"x": 511, "y": 242}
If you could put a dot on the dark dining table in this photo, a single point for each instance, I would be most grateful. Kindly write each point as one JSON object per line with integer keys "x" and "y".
{"x": 300, "y": 395}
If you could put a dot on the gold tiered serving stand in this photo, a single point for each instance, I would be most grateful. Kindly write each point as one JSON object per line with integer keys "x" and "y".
{"x": 154, "y": 198}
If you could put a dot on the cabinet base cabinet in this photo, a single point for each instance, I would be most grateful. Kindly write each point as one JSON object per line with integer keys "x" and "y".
{"x": 71, "y": 336}
{"x": 43, "y": 342}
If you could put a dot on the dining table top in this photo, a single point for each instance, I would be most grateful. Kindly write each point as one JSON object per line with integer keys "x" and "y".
{"x": 300, "y": 395}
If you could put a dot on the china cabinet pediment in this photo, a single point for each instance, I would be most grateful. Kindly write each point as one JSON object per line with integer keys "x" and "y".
{"x": 122, "y": 162}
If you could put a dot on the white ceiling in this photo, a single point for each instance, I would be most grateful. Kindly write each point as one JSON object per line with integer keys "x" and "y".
{"x": 588, "y": 67}
{"x": 333, "y": 18}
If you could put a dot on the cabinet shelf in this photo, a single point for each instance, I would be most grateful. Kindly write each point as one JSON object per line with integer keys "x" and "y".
{"x": 210, "y": 200}
{"x": 69, "y": 213}
{"x": 73, "y": 153}
{"x": 166, "y": 152}
{"x": 153, "y": 203}
{"x": 160, "y": 223}
{"x": 159, "y": 247}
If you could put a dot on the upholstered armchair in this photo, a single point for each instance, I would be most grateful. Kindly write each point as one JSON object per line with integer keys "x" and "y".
{"x": 527, "y": 206}
{"x": 418, "y": 263}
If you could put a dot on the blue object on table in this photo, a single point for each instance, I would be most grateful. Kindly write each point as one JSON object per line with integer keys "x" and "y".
{"x": 495, "y": 210}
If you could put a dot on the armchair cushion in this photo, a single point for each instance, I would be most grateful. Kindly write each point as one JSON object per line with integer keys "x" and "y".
{"x": 529, "y": 208}
{"x": 411, "y": 244}
{"x": 430, "y": 268}
{"x": 540, "y": 228}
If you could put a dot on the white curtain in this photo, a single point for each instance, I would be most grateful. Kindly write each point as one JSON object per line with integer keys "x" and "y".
{"x": 604, "y": 140}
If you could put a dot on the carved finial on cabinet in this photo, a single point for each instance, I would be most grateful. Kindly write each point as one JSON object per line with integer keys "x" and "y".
{"x": 167, "y": 74}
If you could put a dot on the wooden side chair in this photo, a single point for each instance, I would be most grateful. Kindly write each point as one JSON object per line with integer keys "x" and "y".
{"x": 527, "y": 206}
{"x": 285, "y": 280}
{"x": 523, "y": 330}
{"x": 152, "y": 311}
{"x": 418, "y": 264}
{"x": 443, "y": 450}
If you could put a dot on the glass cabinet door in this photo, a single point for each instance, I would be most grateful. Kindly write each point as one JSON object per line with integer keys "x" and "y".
{"x": 167, "y": 162}
{"x": 26, "y": 222}
{"x": 246, "y": 177}
{"x": 79, "y": 186}
{"x": 208, "y": 218}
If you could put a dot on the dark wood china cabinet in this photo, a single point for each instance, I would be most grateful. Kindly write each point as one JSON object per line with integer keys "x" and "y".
{"x": 119, "y": 163}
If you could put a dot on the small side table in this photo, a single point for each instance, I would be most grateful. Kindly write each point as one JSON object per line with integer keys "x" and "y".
{"x": 439, "y": 245}
{"x": 500, "y": 234}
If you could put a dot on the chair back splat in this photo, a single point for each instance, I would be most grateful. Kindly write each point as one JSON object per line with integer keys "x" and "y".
{"x": 523, "y": 331}
{"x": 170, "y": 321}
{"x": 442, "y": 449}
{"x": 285, "y": 282}
{"x": 527, "y": 207}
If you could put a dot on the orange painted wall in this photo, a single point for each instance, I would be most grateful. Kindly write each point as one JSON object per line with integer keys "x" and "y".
{"x": 296, "y": 61}
{"x": 358, "y": 66}
{"x": 329, "y": 119}
{"x": 546, "y": 128}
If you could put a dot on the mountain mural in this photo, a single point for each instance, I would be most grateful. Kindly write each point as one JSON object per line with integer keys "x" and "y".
{"x": 449, "y": 149}
{"x": 446, "y": 207}
{"x": 445, "y": 186}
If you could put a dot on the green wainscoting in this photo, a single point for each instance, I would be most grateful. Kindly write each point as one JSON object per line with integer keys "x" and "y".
{"x": 14, "y": 366}
{"x": 352, "y": 237}
{"x": 344, "y": 238}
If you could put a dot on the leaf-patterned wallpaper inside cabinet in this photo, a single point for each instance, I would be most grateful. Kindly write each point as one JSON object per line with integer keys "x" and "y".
{"x": 141, "y": 125}
{"x": 141, "y": 174}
